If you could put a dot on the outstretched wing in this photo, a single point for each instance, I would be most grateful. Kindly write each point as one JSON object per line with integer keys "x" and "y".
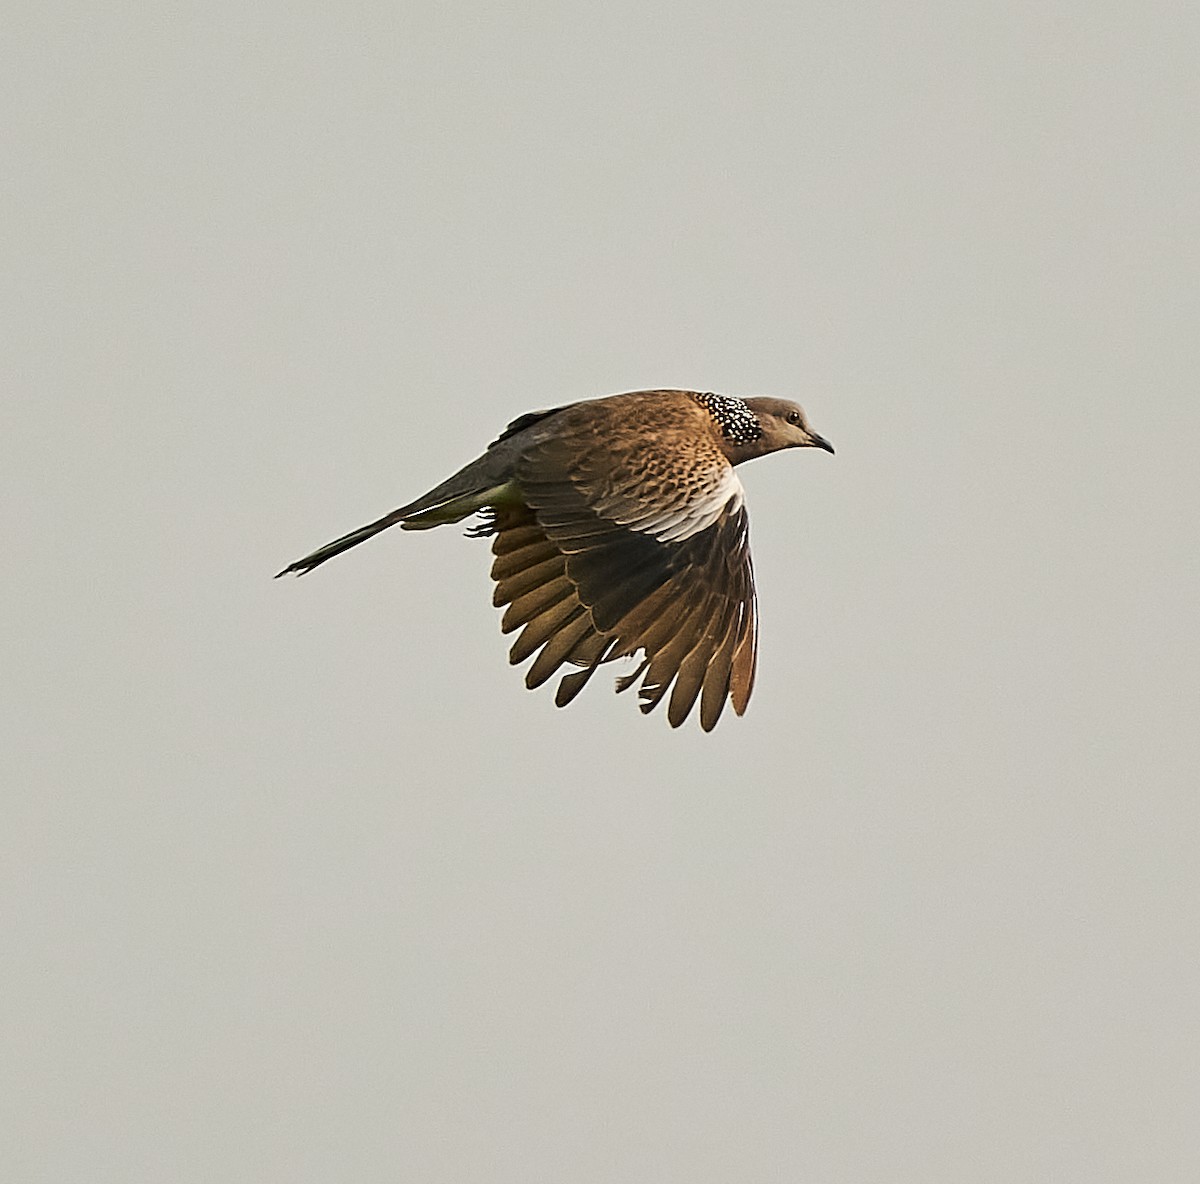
{"x": 619, "y": 553}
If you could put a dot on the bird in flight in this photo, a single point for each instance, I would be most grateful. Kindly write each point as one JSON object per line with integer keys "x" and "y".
{"x": 619, "y": 528}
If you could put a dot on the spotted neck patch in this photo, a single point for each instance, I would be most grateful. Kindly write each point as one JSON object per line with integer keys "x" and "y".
{"x": 738, "y": 424}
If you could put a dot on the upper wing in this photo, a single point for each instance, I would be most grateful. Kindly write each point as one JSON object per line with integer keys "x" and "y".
{"x": 527, "y": 421}
{"x": 612, "y": 555}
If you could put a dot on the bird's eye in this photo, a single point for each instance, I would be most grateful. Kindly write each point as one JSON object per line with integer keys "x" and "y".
{"x": 794, "y": 417}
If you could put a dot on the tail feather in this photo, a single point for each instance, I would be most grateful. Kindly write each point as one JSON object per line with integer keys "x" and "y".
{"x": 343, "y": 544}
{"x": 424, "y": 513}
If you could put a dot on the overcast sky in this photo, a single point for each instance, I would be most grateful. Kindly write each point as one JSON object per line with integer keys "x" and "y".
{"x": 301, "y": 885}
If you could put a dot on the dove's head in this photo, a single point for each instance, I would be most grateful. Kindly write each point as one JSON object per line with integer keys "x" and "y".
{"x": 783, "y": 424}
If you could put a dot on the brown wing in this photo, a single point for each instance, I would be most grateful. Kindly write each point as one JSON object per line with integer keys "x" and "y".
{"x": 608, "y": 560}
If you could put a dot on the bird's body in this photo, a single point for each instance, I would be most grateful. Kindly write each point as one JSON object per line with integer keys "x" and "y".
{"x": 618, "y": 527}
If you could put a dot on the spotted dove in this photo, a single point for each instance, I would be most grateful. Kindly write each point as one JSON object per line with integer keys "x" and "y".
{"x": 618, "y": 527}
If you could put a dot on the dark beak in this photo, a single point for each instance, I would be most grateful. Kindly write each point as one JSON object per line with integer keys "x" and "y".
{"x": 815, "y": 441}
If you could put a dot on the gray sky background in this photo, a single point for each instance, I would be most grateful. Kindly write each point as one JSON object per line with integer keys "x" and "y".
{"x": 300, "y": 885}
